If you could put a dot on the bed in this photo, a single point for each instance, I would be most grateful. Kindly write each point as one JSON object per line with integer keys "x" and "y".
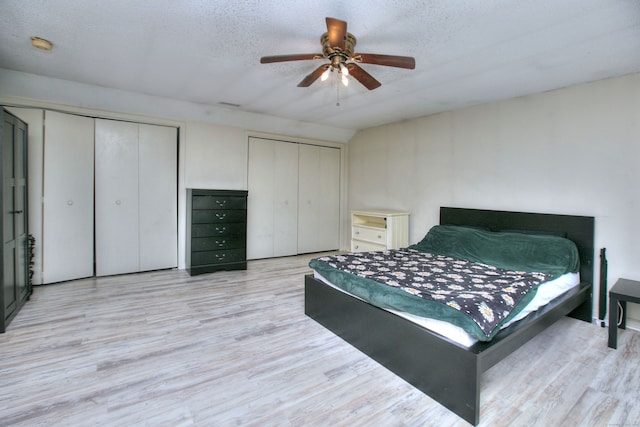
{"x": 411, "y": 350}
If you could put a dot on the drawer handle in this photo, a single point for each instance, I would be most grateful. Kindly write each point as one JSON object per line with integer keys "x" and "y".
{"x": 221, "y": 202}
{"x": 221, "y": 243}
{"x": 357, "y": 232}
{"x": 379, "y": 236}
{"x": 221, "y": 215}
{"x": 357, "y": 246}
{"x": 221, "y": 230}
{"x": 220, "y": 256}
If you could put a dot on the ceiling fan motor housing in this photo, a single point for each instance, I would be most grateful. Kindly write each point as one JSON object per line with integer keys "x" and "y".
{"x": 331, "y": 51}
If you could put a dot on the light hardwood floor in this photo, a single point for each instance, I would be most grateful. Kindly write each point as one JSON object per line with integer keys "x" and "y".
{"x": 235, "y": 348}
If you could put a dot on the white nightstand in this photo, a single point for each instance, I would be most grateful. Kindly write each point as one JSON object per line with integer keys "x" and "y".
{"x": 377, "y": 230}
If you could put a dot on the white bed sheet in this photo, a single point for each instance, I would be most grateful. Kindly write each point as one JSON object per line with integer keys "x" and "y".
{"x": 546, "y": 292}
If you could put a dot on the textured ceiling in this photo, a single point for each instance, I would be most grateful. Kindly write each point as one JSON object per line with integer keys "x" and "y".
{"x": 207, "y": 51}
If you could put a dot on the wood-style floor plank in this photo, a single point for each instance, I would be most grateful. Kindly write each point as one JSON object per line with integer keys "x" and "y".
{"x": 235, "y": 348}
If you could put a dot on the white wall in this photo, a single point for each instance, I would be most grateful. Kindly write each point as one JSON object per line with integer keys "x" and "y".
{"x": 216, "y": 157}
{"x": 572, "y": 151}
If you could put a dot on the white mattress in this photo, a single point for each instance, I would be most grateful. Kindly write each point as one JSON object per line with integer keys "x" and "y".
{"x": 546, "y": 292}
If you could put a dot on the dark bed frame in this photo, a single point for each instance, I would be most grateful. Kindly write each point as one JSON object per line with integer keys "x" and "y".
{"x": 439, "y": 367}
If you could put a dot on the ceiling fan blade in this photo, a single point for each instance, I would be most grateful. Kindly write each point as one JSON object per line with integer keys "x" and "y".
{"x": 388, "y": 60}
{"x": 294, "y": 57}
{"x": 337, "y": 32}
{"x": 315, "y": 75}
{"x": 362, "y": 76}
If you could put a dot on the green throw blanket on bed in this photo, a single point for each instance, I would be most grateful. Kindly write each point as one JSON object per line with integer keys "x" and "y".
{"x": 541, "y": 253}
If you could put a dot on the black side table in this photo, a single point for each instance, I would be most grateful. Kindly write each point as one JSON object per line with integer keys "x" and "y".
{"x": 624, "y": 290}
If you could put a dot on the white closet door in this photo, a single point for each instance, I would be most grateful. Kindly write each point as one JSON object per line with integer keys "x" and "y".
{"x": 273, "y": 198}
{"x": 116, "y": 201}
{"x": 158, "y": 188}
{"x": 319, "y": 199}
{"x": 285, "y": 218}
{"x": 67, "y": 227}
{"x": 260, "y": 209}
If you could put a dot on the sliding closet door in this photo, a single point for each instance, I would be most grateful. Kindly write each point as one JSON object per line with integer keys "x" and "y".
{"x": 319, "y": 199}
{"x": 67, "y": 228}
{"x": 116, "y": 176}
{"x": 158, "y": 190}
{"x": 272, "y": 205}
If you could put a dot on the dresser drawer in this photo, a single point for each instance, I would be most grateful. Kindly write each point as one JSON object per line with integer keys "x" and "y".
{"x": 369, "y": 234}
{"x": 215, "y": 243}
{"x": 218, "y": 257}
{"x": 362, "y": 246}
{"x": 219, "y": 202}
{"x": 211, "y": 216}
{"x": 219, "y": 229}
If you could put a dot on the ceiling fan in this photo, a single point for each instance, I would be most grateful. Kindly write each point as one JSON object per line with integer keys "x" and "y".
{"x": 337, "y": 47}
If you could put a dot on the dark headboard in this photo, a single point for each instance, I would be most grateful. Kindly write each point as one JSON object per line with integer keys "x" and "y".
{"x": 579, "y": 229}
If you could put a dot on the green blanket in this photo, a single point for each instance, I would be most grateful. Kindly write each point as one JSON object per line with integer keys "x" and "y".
{"x": 513, "y": 251}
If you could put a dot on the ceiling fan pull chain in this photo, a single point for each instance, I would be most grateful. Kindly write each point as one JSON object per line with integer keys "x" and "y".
{"x": 337, "y": 94}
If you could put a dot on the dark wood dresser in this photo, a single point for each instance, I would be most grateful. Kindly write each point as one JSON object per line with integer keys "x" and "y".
{"x": 216, "y": 230}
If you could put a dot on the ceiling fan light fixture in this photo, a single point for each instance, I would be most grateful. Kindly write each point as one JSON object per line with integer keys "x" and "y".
{"x": 345, "y": 80}
{"x": 344, "y": 70}
{"x": 326, "y": 74}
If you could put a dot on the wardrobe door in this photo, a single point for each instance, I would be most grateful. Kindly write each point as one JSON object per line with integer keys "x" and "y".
{"x": 158, "y": 189}
{"x": 20, "y": 212}
{"x": 116, "y": 200}
{"x": 272, "y": 203}
{"x": 319, "y": 199}
{"x": 67, "y": 212}
{"x": 14, "y": 284}
{"x": 9, "y": 297}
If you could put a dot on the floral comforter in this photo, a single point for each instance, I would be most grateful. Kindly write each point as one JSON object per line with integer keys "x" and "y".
{"x": 475, "y": 296}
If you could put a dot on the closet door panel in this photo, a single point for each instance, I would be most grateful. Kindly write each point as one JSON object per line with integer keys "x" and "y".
{"x": 116, "y": 186}
{"x": 259, "y": 202}
{"x": 286, "y": 201}
{"x": 260, "y": 208}
{"x": 319, "y": 207}
{"x": 158, "y": 188}
{"x": 67, "y": 228}
{"x": 273, "y": 198}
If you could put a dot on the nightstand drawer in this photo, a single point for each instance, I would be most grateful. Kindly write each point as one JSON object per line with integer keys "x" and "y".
{"x": 362, "y": 246}
{"x": 369, "y": 234}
